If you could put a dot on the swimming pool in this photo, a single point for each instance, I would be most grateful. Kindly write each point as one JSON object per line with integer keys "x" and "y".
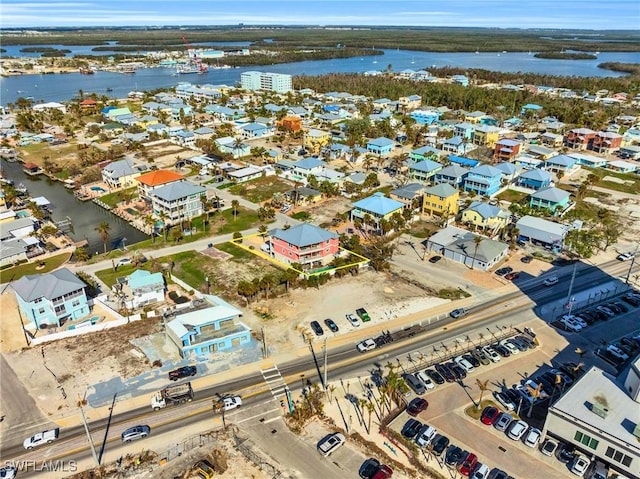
{"x": 22, "y": 214}
{"x": 132, "y": 211}
{"x": 98, "y": 189}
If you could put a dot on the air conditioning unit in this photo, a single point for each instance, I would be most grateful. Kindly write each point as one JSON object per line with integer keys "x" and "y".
{"x": 599, "y": 410}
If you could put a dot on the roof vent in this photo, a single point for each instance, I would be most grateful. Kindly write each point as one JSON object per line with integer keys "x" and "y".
{"x": 599, "y": 410}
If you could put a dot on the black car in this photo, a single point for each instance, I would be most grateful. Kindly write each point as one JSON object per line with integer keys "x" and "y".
{"x": 435, "y": 259}
{"x": 496, "y": 473}
{"x": 526, "y": 259}
{"x": 331, "y": 324}
{"x": 444, "y": 370}
{"x": 632, "y": 300}
{"x": 411, "y": 428}
{"x": 503, "y": 271}
{"x": 369, "y": 468}
{"x": 315, "y": 325}
{"x": 474, "y": 362}
{"x": 527, "y": 340}
{"x": 182, "y": 372}
{"x": 513, "y": 396}
{"x": 454, "y": 455}
{"x": 565, "y": 453}
{"x": 459, "y": 372}
{"x": 501, "y": 350}
{"x": 587, "y": 317}
{"x": 518, "y": 344}
{"x": 438, "y": 444}
{"x": 435, "y": 376}
{"x": 622, "y": 307}
{"x": 598, "y": 314}
{"x": 614, "y": 307}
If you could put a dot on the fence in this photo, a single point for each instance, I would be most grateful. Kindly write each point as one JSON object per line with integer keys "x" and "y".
{"x": 244, "y": 446}
{"x": 185, "y": 446}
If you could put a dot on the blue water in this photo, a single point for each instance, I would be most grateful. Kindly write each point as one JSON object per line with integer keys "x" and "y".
{"x": 98, "y": 189}
{"x": 64, "y": 87}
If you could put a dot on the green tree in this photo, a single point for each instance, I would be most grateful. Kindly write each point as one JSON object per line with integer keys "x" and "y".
{"x": 235, "y": 204}
{"x": 103, "y": 230}
{"x": 476, "y": 244}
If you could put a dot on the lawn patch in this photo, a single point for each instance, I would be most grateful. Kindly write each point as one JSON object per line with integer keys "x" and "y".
{"x": 17, "y": 272}
{"x": 512, "y": 196}
{"x": 452, "y": 294}
{"x": 239, "y": 254}
{"x": 423, "y": 229}
{"x": 301, "y": 216}
{"x": 112, "y": 199}
{"x": 226, "y": 222}
{"x": 260, "y": 189}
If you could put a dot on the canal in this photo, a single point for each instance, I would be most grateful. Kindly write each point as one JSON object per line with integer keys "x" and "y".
{"x": 84, "y": 216}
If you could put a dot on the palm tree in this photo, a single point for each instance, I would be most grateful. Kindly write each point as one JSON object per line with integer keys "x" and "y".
{"x": 103, "y": 230}
{"x": 235, "y": 204}
{"x": 476, "y": 244}
{"x": 483, "y": 386}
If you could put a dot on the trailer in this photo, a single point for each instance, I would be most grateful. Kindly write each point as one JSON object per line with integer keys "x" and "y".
{"x": 171, "y": 395}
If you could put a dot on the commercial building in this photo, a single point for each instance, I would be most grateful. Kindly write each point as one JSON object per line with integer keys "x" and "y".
{"x": 277, "y": 82}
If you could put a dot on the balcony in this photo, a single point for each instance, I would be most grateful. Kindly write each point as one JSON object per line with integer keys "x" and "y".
{"x": 223, "y": 332}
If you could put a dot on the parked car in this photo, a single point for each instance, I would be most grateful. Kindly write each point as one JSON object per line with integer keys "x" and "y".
{"x": 489, "y": 415}
{"x": 617, "y": 353}
{"x": 353, "y": 319}
{"x": 369, "y": 468}
{"x": 424, "y": 379}
{"x": 468, "y": 464}
{"x": 416, "y": 406}
{"x": 496, "y": 473}
{"x": 330, "y": 443}
{"x": 331, "y": 324}
{"x": 183, "y": 372}
{"x": 462, "y": 362}
{"x": 366, "y": 345}
{"x": 481, "y": 472}
{"x": 231, "y": 402}
{"x": 414, "y": 383}
{"x": 454, "y": 455}
{"x": 124, "y": 262}
{"x": 513, "y": 349}
{"x": 438, "y": 444}
{"x": 435, "y": 376}
{"x": 134, "y": 433}
{"x": 480, "y": 355}
{"x": 527, "y": 340}
{"x": 503, "y": 421}
{"x": 501, "y": 350}
{"x": 411, "y": 428}
{"x": 444, "y": 370}
{"x": 7, "y": 472}
{"x": 385, "y": 472}
{"x": 363, "y": 315}
{"x": 518, "y": 344}
{"x": 315, "y": 325}
{"x": 550, "y": 281}
{"x": 606, "y": 311}
{"x": 579, "y": 465}
{"x": 548, "y": 447}
{"x": 457, "y": 370}
{"x": 517, "y": 429}
{"x": 565, "y": 453}
{"x": 425, "y": 435}
{"x": 474, "y": 362}
{"x": 631, "y": 299}
{"x": 512, "y": 276}
{"x": 532, "y": 437}
{"x": 625, "y": 256}
{"x": 458, "y": 313}
{"x": 435, "y": 259}
{"x": 504, "y": 271}
{"x": 504, "y": 400}
{"x": 526, "y": 259}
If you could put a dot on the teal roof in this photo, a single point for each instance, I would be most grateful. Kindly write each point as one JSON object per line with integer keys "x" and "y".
{"x": 378, "y": 204}
{"x": 141, "y": 278}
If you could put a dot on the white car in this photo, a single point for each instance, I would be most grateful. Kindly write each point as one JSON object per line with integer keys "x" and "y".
{"x": 353, "y": 319}
{"x": 549, "y": 447}
{"x": 504, "y": 401}
{"x": 517, "y": 429}
{"x": 550, "y": 281}
{"x": 425, "y": 436}
{"x": 462, "y": 362}
{"x": 124, "y": 261}
{"x": 532, "y": 437}
{"x": 576, "y": 319}
{"x": 625, "y": 256}
{"x": 617, "y": 352}
{"x": 580, "y": 465}
{"x": 366, "y": 345}
{"x": 605, "y": 310}
{"x": 481, "y": 472}
{"x": 513, "y": 349}
{"x": 330, "y": 443}
{"x": 426, "y": 380}
{"x": 231, "y": 403}
{"x": 7, "y": 472}
{"x": 571, "y": 325}
{"x": 491, "y": 354}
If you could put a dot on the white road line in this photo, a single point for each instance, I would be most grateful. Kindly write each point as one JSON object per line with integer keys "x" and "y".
{"x": 259, "y": 415}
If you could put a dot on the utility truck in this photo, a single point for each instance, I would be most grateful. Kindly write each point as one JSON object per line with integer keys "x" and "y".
{"x": 170, "y": 395}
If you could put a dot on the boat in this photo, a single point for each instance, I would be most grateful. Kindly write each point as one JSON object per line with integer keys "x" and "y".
{"x": 21, "y": 189}
{"x": 86, "y": 71}
{"x": 32, "y": 169}
{"x": 6, "y": 181}
{"x": 70, "y": 184}
{"x": 109, "y": 89}
{"x": 188, "y": 69}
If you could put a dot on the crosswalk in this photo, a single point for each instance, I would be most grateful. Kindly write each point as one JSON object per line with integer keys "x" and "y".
{"x": 274, "y": 380}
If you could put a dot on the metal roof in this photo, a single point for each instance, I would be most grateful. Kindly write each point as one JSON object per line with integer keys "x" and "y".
{"x": 49, "y": 285}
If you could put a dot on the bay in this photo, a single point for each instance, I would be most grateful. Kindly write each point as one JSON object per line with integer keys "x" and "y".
{"x": 85, "y": 216}
{"x": 65, "y": 86}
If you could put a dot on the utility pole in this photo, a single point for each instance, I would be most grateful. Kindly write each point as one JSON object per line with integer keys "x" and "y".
{"x": 573, "y": 277}
{"x": 325, "y": 363}
{"x": 86, "y": 430}
{"x": 633, "y": 260}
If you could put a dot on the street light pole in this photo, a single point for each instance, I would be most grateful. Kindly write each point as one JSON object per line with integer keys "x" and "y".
{"x": 633, "y": 260}
{"x": 86, "y": 430}
{"x": 573, "y": 277}
{"x": 325, "y": 363}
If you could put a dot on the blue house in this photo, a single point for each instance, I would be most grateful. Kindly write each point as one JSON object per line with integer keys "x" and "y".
{"x": 460, "y": 80}
{"x": 509, "y": 170}
{"x": 214, "y": 325}
{"x": 551, "y": 198}
{"x": 425, "y": 117}
{"x": 455, "y": 144}
{"x": 484, "y": 180}
{"x": 461, "y": 160}
{"x": 536, "y": 179}
{"x": 453, "y": 174}
{"x": 51, "y": 299}
{"x": 255, "y": 130}
{"x": 423, "y": 170}
{"x": 425, "y": 153}
{"x": 380, "y": 146}
{"x": 530, "y": 107}
{"x": 464, "y": 130}
{"x": 564, "y": 163}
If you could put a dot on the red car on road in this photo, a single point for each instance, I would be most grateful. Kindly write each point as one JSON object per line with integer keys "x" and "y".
{"x": 468, "y": 465}
{"x": 489, "y": 415}
{"x": 416, "y": 406}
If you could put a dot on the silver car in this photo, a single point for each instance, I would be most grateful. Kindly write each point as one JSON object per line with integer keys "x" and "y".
{"x": 135, "y": 432}
{"x": 503, "y": 422}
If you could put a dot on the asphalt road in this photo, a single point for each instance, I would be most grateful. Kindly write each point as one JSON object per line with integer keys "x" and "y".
{"x": 343, "y": 362}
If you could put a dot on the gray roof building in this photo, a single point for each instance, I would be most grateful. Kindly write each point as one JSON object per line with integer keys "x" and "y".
{"x": 49, "y": 285}
{"x": 304, "y": 234}
{"x": 120, "y": 168}
{"x": 177, "y": 190}
{"x": 408, "y": 191}
{"x": 551, "y": 194}
{"x": 532, "y": 228}
{"x": 459, "y": 245}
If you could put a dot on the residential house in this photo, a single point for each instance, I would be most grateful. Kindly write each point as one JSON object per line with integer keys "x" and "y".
{"x": 509, "y": 171}
{"x": 424, "y": 170}
{"x": 51, "y": 299}
{"x": 185, "y": 138}
{"x": 52, "y": 105}
{"x": 303, "y": 195}
{"x": 208, "y": 326}
{"x": 203, "y": 133}
{"x": 305, "y": 244}
{"x": 561, "y": 163}
{"x": 314, "y": 140}
{"x": 551, "y": 140}
{"x": 301, "y": 170}
{"x": 623, "y": 166}
{"x": 255, "y": 130}
{"x": 225, "y": 113}
{"x": 551, "y": 198}
{"x": 464, "y": 130}
{"x": 485, "y": 135}
{"x": 456, "y": 145}
{"x": 14, "y": 250}
{"x": 409, "y": 103}
{"x": 120, "y": 174}
{"x": 542, "y": 232}
{"x": 441, "y": 200}
{"x": 460, "y": 80}
{"x": 474, "y": 117}
{"x": 589, "y": 160}
{"x": 606, "y": 142}
{"x": 425, "y": 153}
{"x": 460, "y": 245}
{"x": 531, "y": 109}
{"x": 484, "y": 180}
{"x": 140, "y": 289}
{"x": 21, "y": 228}
{"x": 452, "y": 174}
{"x": 89, "y": 105}
{"x": 506, "y": 150}
{"x": 527, "y": 162}
{"x": 380, "y": 146}
{"x": 155, "y": 179}
{"x": 579, "y": 138}
{"x": 535, "y": 179}
{"x": 231, "y": 145}
{"x": 177, "y": 201}
{"x": 425, "y": 117}
{"x": 541, "y": 152}
{"x": 408, "y": 194}
{"x": 291, "y": 123}
{"x": 629, "y": 152}
{"x": 485, "y": 216}
{"x": 377, "y": 206}
{"x": 462, "y": 161}
{"x": 245, "y": 174}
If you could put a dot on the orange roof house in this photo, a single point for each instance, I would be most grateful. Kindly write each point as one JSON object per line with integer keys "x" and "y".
{"x": 154, "y": 179}
{"x": 291, "y": 123}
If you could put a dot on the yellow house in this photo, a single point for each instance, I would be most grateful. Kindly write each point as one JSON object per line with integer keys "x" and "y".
{"x": 146, "y": 120}
{"x": 485, "y": 216}
{"x": 441, "y": 200}
{"x": 3, "y": 201}
{"x": 314, "y": 140}
{"x": 474, "y": 116}
{"x": 485, "y": 136}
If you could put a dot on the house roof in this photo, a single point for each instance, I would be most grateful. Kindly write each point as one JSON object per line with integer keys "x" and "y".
{"x": 409, "y": 191}
{"x": 378, "y": 204}
{"x": 381, "y": 142}
{"x": 562, "y": 160}
{"x": 141, "y": 278}
{"x": 254, "y": 127}
{"x": 453, "y": 171}
{"x": 357, "y": 178}
{"x": 159, "y": 177}
{"x": 304, "y": 234}
{"x": 309, "y": 163}
{"x": 49, "y": 285}
{"x": 120, "y": 168}
{"x": 552, "y": 194}
{"x": 461, "y": 241}
{"x": 424, "y": 165}
{"x": 507, "y": 168}
{"x": 486, "y": 171}
{"x": 443, "y": 190}
{"x": 179, "y": 189}
{"x": 12, "y": 247}
{"x": 463, "y": 161}
{"x": 540, "y": 224}
{"x": 486, "y": 210}
{"x": 427, "y": 150}
{"x": 507, "y": 142}
{"x": 217, "y": 309}
{"x": 536, "y": 174}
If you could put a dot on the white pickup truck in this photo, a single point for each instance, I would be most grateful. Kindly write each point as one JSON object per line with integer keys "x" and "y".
{"x": 45, "y": 437}
{"x": 231, "y": 403}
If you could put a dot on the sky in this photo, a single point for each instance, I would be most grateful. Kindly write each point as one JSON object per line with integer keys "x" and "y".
{"x": 575, "y": 14}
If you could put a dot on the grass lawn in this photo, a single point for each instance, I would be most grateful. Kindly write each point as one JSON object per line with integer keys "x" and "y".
{"x": 584, "y": 211}
{"x": 244, "y": 220}
{"x": 261, "y": 189}
{"x": 36, "y": 152}
{"x": 112, "y": 199}
{"x": 631, "y": 182}
{"x": 301, "y": 215}
{"x": 512, "y": 196}
{"x": 423, "y": 229}
{"x": 451, "y": 293}
{"x": 17, "y": 272}
{"x": 239, "y": 254}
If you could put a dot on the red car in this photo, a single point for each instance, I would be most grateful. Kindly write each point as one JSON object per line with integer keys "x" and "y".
{"x": 468, "y": 465}
{"x": 489, "y": 415}
{"x": 416, "y": 406}
{"x": 512, "y": 276}
{"x": 385, "y": 472}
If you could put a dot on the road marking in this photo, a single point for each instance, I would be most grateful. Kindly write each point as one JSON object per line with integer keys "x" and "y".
{"x": 259, "y": 415}
{"x": 274, "y": 381}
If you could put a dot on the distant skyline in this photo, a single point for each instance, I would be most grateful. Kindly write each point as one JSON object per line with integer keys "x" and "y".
{"x": 565, "y": 14}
